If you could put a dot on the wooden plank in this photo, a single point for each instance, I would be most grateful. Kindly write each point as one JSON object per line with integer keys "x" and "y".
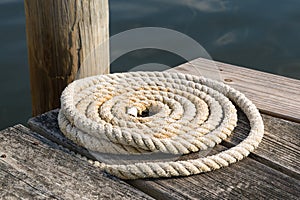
{"x": 32, "y": 167}
{"x": 13, "y": 187}
{"x": 47, "y": 126}
{"x": 274, "y": 95}
{"x": 259, "y": 178}
{"x": 280, "y": 147}
{"x": 247, "y": 179}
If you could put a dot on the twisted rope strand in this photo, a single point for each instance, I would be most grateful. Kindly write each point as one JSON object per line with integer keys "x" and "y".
{"x": 191, "y": 114}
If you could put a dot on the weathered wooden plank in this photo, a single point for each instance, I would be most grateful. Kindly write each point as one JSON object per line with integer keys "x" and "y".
{"x": 280, "y": 147}
{"x": 250, "y": 172}
{"x": 274, "y": 95}
{"x": 47, "y": 126}
{"x": 13, "y": 187}
{"x": 32, "y": 167}
{"x": 247, "y": 179}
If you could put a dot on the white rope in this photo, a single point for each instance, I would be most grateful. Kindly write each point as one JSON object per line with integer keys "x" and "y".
{"x": 188, "y": 114}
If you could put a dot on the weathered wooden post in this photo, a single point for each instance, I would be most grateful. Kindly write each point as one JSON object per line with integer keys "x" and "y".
{"x": 60, "y": 36}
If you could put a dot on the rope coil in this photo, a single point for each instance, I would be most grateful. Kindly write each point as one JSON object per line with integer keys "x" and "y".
{"x": 188, "y": 114}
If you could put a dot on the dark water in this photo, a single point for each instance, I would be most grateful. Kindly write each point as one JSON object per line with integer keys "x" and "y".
{"x": 262, "y": 35}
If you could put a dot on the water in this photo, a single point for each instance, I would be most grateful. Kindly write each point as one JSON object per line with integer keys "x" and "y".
{"x": 257, "y": 34}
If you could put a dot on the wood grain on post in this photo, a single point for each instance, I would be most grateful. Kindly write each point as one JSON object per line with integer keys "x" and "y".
{"x": 64, "y": 37}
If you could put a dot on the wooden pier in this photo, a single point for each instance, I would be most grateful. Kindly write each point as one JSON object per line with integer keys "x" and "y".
{"x": 33, "y": 164}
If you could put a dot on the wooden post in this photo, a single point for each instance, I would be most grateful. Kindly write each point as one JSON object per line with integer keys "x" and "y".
{"x": 61, "y": 36}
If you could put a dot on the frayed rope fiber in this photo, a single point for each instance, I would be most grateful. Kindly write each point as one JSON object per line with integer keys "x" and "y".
{"x": 188, "y": 114}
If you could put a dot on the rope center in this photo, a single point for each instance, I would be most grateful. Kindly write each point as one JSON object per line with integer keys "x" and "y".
{"x": 146, "y": 112}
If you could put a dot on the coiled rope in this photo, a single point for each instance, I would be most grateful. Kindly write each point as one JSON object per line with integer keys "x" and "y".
{"x": 188, "y": 114}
